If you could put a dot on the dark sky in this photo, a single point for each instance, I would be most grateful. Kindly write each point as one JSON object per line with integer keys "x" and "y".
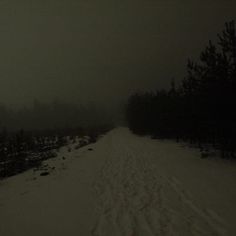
{"x": 83, "y": 50}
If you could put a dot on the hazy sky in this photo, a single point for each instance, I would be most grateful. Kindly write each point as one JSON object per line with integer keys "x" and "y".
{"x": 83, "y": 50}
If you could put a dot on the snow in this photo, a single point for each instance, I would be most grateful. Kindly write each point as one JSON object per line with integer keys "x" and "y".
{"x": 122, "y": 185}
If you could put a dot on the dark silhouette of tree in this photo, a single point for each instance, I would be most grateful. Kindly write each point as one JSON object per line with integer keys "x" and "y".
{"x": 202, "y": 109}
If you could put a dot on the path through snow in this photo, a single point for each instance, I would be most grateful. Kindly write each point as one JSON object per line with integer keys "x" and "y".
{"x": 134, "y": 200}
{"x": 126, "y": 186}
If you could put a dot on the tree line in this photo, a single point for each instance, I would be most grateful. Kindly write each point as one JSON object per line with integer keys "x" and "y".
{"x": 53, "y": 115}
{"x": 33, "y": 134}
{"x": 202, "y": 108}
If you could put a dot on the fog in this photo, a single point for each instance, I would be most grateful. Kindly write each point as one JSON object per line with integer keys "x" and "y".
{"x": 88, "y": 51}
{"x": 114, "y": 116}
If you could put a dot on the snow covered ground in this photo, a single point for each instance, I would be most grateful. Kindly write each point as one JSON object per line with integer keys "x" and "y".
{"x": 122, "y": 185}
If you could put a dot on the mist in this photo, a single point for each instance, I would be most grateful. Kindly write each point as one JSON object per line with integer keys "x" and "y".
{"x": 117, "y": 117}
{"x": 101, "y": 52}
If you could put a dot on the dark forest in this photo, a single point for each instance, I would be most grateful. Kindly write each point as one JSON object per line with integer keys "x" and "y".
{"x": 201, "y": 109}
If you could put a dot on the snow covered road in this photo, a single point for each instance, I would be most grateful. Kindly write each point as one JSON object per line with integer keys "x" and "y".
{"x": 133, "y": 199}
{"x": 126, "y": 186}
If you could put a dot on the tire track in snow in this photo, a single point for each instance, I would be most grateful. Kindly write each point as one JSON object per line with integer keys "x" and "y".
{"x": 132, "y": 200}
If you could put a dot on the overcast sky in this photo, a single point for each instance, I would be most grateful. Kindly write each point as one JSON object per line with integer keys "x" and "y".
{"x": 83, "y": 50}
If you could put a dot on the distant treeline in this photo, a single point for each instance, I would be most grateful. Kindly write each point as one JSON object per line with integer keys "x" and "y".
{"x": 202, "y": 109}
{"x": 30, "y": 135}
{"x": 55, "y": 115}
